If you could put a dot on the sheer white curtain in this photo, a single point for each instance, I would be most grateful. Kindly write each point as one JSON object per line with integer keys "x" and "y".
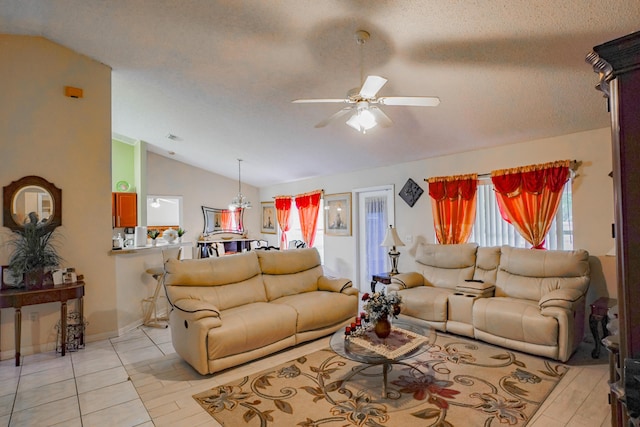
{"x": 376, "y": 223}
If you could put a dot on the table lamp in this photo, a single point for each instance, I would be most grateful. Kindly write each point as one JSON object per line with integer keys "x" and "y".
{"x": 391, "y": 240}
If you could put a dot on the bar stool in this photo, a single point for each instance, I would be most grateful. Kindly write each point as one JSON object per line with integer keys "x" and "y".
{"x": 151, "y": 317}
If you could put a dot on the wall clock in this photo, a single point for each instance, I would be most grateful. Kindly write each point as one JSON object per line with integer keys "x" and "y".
{"x": 411, "y": 192}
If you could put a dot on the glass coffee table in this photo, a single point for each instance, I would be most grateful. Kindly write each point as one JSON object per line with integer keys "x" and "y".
{"x": 348, "y": 349}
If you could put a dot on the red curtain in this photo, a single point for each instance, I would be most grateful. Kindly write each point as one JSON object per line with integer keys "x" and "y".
{"x": 528, "y": 197}
{"x": 225, "y": 219}
{"x": 283, "y": 211}
{"x": 453, "y": 203}
{"x": 308, "y": 205}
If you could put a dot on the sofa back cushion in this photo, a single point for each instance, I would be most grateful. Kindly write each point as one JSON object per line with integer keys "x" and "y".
{"x": 532, "y": 273}
{"x": 225, "y": 282}
{"x": 446, "y": 266}
{"x": 487, "y": 262}
{"x": 290, "y": 272}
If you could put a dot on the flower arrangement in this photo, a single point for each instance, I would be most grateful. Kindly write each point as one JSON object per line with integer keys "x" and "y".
{"x": 380, "y": 305}
{"x": 153, "y": 234}
{"x": 181, "y": 232}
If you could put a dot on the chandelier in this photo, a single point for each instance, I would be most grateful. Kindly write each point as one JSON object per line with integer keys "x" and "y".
{"x": 240, "y": 201}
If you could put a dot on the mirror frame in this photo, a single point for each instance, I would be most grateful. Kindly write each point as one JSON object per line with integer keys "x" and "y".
{"x": 10, "y": 191}
{"x": 208, "y": 212}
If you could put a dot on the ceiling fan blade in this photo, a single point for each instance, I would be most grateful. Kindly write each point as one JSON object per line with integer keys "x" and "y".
{"x": 334, "y": 116}
{"x": 381, "y": 118}
{"x": 371, "y": 86}
{"x": 412, "y": 101}
{"x": 327, "y": 100}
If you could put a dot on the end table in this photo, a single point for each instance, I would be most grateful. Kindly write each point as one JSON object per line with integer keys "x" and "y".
{"x": 384, "y": 278}
{"x": 599, "y": 309}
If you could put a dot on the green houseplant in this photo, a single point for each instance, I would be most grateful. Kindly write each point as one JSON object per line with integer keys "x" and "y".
{"x": 34, "y": 254}
{"x": 153, "y": 235}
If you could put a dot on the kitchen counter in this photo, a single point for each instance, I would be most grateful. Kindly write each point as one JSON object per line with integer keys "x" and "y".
{"x": 148, "y": 248}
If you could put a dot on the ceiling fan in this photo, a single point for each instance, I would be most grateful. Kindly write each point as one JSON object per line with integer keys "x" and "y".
{"x": 363, "y": 102}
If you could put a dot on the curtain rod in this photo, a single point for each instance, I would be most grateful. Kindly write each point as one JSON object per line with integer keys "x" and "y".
{"x": 573, "y": 167}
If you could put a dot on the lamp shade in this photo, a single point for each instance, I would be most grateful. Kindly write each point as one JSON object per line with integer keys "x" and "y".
{"x": 391, "y": 238}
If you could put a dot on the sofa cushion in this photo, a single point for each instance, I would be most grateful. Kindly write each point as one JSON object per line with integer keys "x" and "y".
{"x": 446, "y": 266}
{"x": 425, "y": 302}
{"x": 221, "y": 295}
{"x": 290, "y": 272}
{"x": 212, "y": 271}
{"x": 487, "y": 263}
{"x": 320, "y": 309}
{"x": 515, "y": 319}
{"x": 288, "y": 262}
{"x": 250, "y": 326}
{"x": 532, "y": 273}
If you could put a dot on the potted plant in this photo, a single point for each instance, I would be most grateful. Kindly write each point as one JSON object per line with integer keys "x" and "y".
{"x": 153, "y": 235}
{"x": 34, "y": 255}
{"x": 181, "y": 232}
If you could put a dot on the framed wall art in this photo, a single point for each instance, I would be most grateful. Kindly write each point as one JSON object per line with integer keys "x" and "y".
{"x": 337, "y": 215}
{"x": 269, "y": 218}
{"x": 411, "y": 192}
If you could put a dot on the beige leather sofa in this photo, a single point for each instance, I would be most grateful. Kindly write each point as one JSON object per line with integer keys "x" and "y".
{"x": 233, "y": 309}
{"x": 524, "y": 299}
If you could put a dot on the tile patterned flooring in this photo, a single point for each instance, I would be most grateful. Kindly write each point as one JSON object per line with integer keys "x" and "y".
{"x": 138, "y": 380}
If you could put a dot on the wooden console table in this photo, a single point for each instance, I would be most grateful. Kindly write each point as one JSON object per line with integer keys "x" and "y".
{"x": 17, "y": 298}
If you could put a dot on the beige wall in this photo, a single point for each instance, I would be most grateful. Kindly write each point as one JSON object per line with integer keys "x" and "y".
{"x": 68, "y": 142}
{"x": 592, "y": 196}
{"x": 198, "y": 188}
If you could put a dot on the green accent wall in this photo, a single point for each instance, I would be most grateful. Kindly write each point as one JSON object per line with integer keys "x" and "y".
{"x": 122, "y": 165}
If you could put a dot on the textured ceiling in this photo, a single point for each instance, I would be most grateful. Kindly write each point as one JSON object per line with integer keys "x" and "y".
{"x": 221, "y": 74}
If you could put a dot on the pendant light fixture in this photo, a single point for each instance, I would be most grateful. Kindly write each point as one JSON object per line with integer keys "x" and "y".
{"x": 240, "y": 201}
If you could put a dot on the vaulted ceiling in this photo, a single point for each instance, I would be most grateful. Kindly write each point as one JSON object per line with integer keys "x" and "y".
{"x": 220, "y": 75}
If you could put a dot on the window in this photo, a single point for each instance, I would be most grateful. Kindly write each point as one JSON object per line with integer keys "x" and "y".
{"x": 295, "y": 232}
{"x": 491, "y": 230}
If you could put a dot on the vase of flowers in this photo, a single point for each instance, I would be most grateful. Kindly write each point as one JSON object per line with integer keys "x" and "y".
{"x": 181, "y": 232}
{"x": 379, "y": 309}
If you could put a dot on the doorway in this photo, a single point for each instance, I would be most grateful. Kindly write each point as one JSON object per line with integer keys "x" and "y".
{"x": 375, "y": 207}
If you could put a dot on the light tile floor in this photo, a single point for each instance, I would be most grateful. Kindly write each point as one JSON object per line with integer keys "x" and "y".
{"x": 138, "y": 380}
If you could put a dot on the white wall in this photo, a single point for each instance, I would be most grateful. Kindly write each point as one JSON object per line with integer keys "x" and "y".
{"x": 68, "y": 142}
{"x": 199, "y": 188}
{"x": 592, "y": 196}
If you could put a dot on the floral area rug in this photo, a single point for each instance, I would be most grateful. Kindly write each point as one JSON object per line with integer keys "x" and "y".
{"x": 457, "y": 382}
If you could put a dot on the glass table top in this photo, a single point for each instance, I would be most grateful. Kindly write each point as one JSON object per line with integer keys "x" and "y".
{"x": 352, "y": 351}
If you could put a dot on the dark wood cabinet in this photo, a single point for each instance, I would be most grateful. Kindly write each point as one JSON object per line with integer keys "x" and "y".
{"x": 618, "y": 64}
{"x": 124, "y": 209}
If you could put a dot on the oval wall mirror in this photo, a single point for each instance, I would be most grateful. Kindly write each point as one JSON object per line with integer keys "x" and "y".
{"x": 29, "y": 199}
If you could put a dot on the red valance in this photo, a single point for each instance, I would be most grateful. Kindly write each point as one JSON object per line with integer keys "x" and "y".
{"x": 454, "y": 187}
{"x": 531, "y": 179}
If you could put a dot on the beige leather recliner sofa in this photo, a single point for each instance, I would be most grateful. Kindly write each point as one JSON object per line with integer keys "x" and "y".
{"x": 233, "y": 309}
{"x": 524, "y": 299}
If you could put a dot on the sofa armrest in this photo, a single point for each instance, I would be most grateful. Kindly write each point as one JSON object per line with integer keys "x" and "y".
{"x": 476, "y": 287}
{"x": 406, "y": 280}
{"x": 193, "y": 309}
{"x": 563, "y": 298}
{"x": 333, "y": 284}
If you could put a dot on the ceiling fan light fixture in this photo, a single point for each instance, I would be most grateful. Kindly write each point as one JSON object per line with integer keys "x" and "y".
{"x": 362, "y": 120}
{"x": 240, "y": 201}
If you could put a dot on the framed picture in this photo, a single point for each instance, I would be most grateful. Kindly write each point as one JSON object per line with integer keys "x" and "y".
{"x": 269, "y": 218}
{"x": 337, "y": 214}
{"x": 411, "y": 192}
